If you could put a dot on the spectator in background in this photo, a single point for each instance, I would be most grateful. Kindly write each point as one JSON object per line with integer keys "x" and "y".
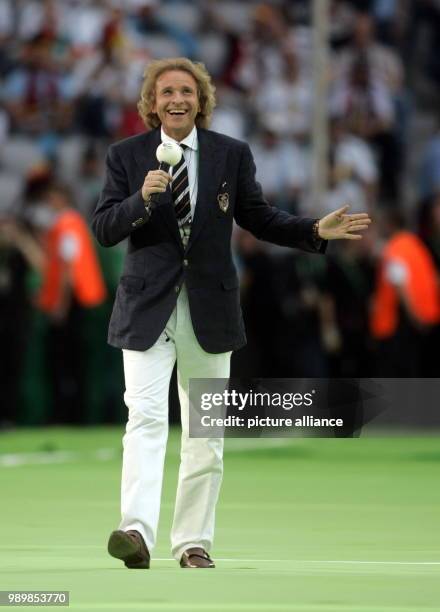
{"x": 19, "y": 254}
{"x": 430, "y": 168}
{"x": 349, "y": 286}
{"x": 406, "y": 300}
{"x": 32, "y": 17}
{"x": 342, "y": 186}
{"x": 424, "y": 20}
{"x": 14, "y": 306}
{"x": 431, "y": 363}
{"x": 388, "y": 15}
{"x": 96, "y": 83}
{"x": 88, "y": 187}
{"x": 432, "y": 229}
{"x": 429, "y": 190}
{"x": 4, "y": 126}
{"x": 263, "y": 49}
{"x": 342, "y": 16}
{"x": 105, "y": 82}
{"x": 354, "y": 161}
{"x": 302, "y": 331}
{"x": 146, "y": 20}
{"x": 6, "y": 60}
{"x": 229, "y": 118}
{"x": 282, "y": 168}
{"x": 36, "y": 95}
{"x": 282, "y": 297}
{"x": 284, "y": 102}
{"x": 383, "y": 63}
{"x": 257, "y": 294}
{"x": 366, "y": 104}
{"x": 71, "y": 281}
{"x": 82, "y": 24}
{"x": 6, "y": 20}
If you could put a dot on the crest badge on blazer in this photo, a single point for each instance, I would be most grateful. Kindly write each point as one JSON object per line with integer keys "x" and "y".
{"x": 223, "y": 200}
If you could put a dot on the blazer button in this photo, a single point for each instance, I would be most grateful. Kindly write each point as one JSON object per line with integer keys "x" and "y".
{"x": 185, "y": 263}
{"x": 177, "y": 288}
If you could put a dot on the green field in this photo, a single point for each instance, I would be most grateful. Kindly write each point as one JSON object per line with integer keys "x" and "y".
{"x": 303, "y": 525}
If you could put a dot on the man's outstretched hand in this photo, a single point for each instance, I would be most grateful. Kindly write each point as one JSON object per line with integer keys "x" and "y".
{"x": 339, "y": 226}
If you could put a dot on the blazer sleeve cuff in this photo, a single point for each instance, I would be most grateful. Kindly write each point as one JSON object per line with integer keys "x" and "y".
{"x": 135, "y": 211}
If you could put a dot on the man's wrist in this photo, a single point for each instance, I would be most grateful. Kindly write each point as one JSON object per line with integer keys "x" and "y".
{"x": 148, "y": 204}
{"x": 315, "y": 233}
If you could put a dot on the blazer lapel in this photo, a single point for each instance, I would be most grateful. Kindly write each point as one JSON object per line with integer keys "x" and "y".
{"x": 211, "y": 166}
{"x": 146, "y": 160}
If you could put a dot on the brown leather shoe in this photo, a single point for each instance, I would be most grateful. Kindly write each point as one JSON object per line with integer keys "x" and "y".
{"x": 129, "y": 546}
{"x": 196, "y": 557}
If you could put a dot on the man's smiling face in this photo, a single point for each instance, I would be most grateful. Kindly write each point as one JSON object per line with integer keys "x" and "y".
{"x": 176, "y": 103}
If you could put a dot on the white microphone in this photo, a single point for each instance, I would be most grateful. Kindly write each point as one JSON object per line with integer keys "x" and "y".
{"x": 168, "y": 154}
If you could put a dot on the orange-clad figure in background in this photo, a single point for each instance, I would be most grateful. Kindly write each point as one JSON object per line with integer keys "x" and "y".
{"x": 406, "y": 301}
{"x": 71, "y": 271}
{"x": 71, "y": 282}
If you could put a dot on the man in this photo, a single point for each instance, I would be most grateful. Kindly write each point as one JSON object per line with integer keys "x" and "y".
{"x": 71, "y": 283}
{"x": 406, "y": 300}
{"x": 178, "y": 297}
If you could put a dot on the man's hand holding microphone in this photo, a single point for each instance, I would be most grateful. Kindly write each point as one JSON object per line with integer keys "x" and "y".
{"x": 156, "y": 181}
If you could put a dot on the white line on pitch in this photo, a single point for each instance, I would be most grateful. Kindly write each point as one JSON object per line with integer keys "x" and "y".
{"x": 239, "y": 606}
{"x": 108, "y": 454}
{"x": 354, "y": 562}
{"x": 229, "y": 560}
{"x": 45, "y": 548}
{"x": 48, "y": 457}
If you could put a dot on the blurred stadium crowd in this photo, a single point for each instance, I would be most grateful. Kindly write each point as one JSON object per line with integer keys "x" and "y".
{"x": 70, "y": 75}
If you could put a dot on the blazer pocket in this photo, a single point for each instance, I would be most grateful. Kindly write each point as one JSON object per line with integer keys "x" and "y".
{"x": 133, "y": 284}
{"x": 230, "y": 283}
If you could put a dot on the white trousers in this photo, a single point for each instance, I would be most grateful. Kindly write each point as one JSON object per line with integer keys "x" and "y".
{"x": 147, "y": 378}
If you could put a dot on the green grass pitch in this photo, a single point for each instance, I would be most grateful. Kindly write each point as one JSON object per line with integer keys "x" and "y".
{"x": 302, "y": 525}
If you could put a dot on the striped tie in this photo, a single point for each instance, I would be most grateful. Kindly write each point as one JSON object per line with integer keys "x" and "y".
{"x": 180, "y": 192}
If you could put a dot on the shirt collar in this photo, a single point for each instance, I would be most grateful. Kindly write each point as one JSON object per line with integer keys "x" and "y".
{"x": 191, "y": 141}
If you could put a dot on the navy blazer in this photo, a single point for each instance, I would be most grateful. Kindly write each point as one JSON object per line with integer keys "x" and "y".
{"x": 156, "y": 264}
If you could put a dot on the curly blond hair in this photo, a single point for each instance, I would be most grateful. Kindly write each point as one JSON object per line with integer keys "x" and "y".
{"x": 205, "y": 89}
